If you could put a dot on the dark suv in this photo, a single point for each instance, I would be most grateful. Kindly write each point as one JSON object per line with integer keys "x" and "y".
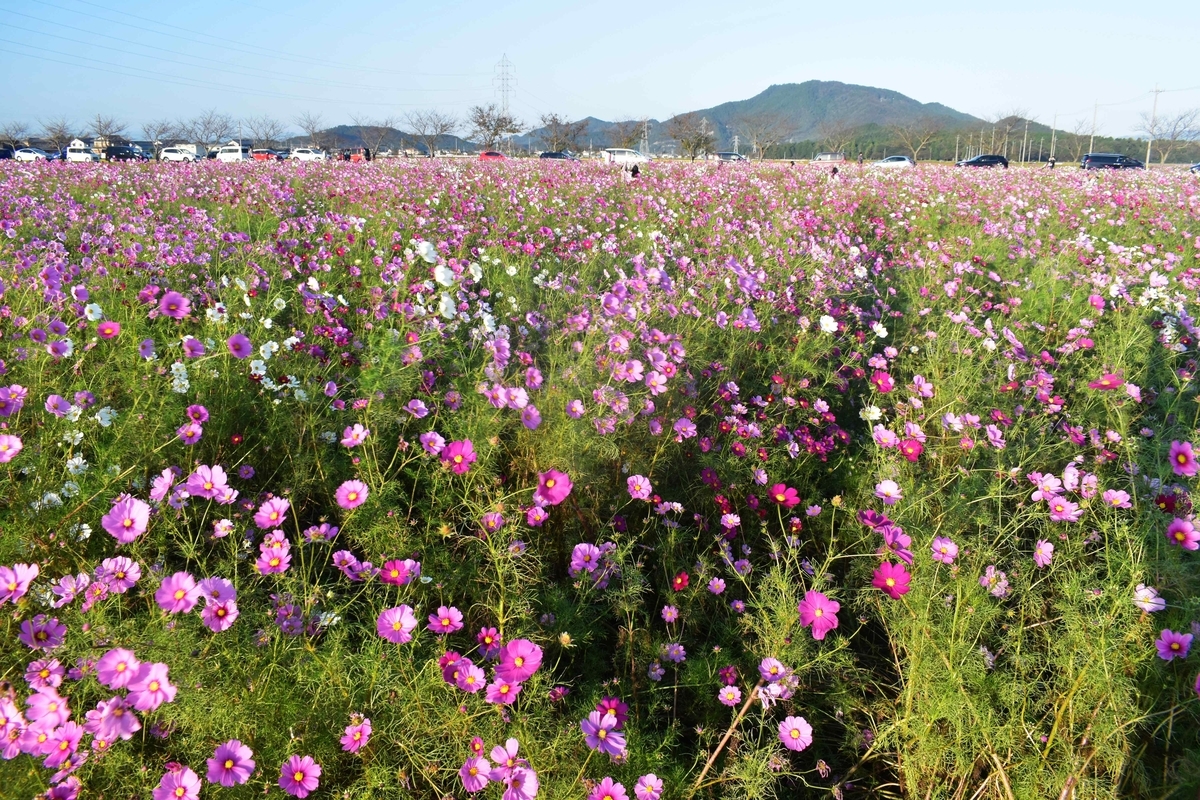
{"x": 122, "y": 153}
{"x": 1109, "y": 161}
{"x": 984, "y": 161}
{"x": 6, "y": 151}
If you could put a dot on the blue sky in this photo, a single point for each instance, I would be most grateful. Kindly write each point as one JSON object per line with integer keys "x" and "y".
{"x": 140, "y": 60}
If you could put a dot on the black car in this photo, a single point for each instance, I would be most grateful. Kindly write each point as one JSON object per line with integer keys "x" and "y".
{"x": 1195, "y": 168}
{"x": 558, "y": 154}
{"x": 122, "y": 153}
{"x": 984, "y": 161}
{"x": 6, "y": 151}
{"x": 1109, "y": 161}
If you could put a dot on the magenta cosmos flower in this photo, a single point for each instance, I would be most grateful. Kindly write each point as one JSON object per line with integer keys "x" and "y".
{"x": 117, "y": 668}
{"x": 174, "y": 305}
{"x": 42, "y": 632}
{"x": 1182, "y": 532}
{"x": 893, "y": 579}
{"x": 397, "y": 624}
{"x": 502, "y": 692}
{"x": 795, "y": 733}
{"x": 271, "y": 513}
{"x": 820, "y": 612}
{"x": 351, "y": 494}
{"x": 127, "y": 520}
{"x": 519, "y": 659}
{"x": 599, "y": 732}
{"x": 178, "y": 594}
{"x": 639, "y": 487}
{"x": 474, "y": 773}
{"x": 356, "y": 736}
{"x": 299, "y": 776}
{"x": 151, "y": 688}
{"x": 1172, "y": 645}
{"x": 459, "y": 456}
{"x": 178, "y": 783}
{"x": 448, "y": 619}
{"x": 608, "y": 789}
{"x": 1107, "y": 382}
{"x": 1183, "y": 459}
{"x": 239, "y": 346}
{"x": 231, "y": 765}
{"x": 108, "y": 330}
{"x": 553, "y": 488}
{"x": 784, "y": 495}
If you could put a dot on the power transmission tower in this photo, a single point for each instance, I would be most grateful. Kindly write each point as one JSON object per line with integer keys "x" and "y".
{"x": 504, "y": 81}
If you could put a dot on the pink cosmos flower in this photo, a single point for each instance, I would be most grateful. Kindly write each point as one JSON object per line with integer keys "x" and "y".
{"x": 502, "y": 692}
{"x": 47, "y": 709}
{"x": 648, "y": 787}
{"x": 299, "y": 776}
{"x": 521, "y": 783}
{"x": 117, "y": 668}
{"x": 448, "y": 619}
{"x": 459, "y": 456}
{"x": 239, "y": 346}
{"x": 1108, "y": 381}
{"x": 639, "y": 487}
{"x": 231, "y": 765}
{"x": 892, "y": 579}
{"x": 108, "y": 330}
{"x": 9, "y": 447}
{"x": 127, "y": 520}
{"x": 820, "y": 612}
{"x": 1063, "y": 510}
{"x": 353, "y": 437}
{"x": 889, "y": 492}
{"x": 882, "y": 381}
{"x": 553, "y": 488}
{"x": 219, "y": 616}
{"x": 608, "y": 789}
{"x": 42, "y": 632}
{"x": 151, "y": 688}
{"x": 351, "y": 494}
{"x": 15, "y": 580}
{"x": 911, "y": 449}
{"x": 1116, "y": 498}
{"x": 356, "y": 736}
{"x": 1172, "y": 645}
{"x": 178, "y": 594}
{"x": 944, "y": 550}
{"x": 63, "y": 743}
{"x": 1147, "y": 599}
{"x": 470, "y": 677}
{"x": 1183, "y": 459}
{"x": 599, "y": 733}
{"x": 519, "y": 659}
{"x": 397, "y": 624}
{"x": 474, "y": 773}
{"x": 795, "y": 733}
{"x": 174, "y": 305}
{"x": 1043, "y": 552}
{"x": 271, "y": 513}
{"x": 112, "y": 719}
{"x": 178, "y": 783}
{"x": 729, "y": 696}
{"x": 1182, "y": 532}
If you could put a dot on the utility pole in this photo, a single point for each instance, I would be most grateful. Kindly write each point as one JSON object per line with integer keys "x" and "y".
{"x": 1153, "y": 122}
{"x": 1092, "y": 141}
{"x": 1024, "y": 143}
{"x": 1053, "y": 132}
{"x": 956, "y": 148}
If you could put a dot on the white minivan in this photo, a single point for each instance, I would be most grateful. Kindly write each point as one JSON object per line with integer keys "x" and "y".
{"x": 81, "y": 154}
{"x": 307, "y": 154}
{"x": 624, "y": 156}
{"x": 232, "y": 152}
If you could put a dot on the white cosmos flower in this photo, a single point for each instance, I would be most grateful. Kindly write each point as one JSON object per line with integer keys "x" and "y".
{"x": 93, "y": 312}
{"x": 443, "y": 275}
{"x": 427, "y": 251}
{"x": 446, "y": 307}
{"x": 828, "y": 324}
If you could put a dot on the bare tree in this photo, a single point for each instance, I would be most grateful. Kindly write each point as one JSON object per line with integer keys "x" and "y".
{"x": 693, "y": 132}
{"x": 626, "y": 133}
{"x": 915, "y": 135}
{"x": 1004, "y": 123}
{"x": 372, "y": 132}
{"x": 209, "y": 128}
{"x": 836, "y": 135}
{"x": 14, "y": 133}
{"x": 559, "y": 133}
{"x": 157, "y": 130}
{"x": 489, "y": 125}
{"x": 265, "y": 131}
{"x": 430, "y": 126}
{"x": 1170, "y": 131}
{"x": 106, "y": 127}
{"x": 763, "y": 130}
{"x": 58, "y": 131}
{"x": 1077, "y": 138}
{"x": 313, "y": 126}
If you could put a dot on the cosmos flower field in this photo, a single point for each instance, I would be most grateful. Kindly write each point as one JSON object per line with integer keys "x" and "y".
{"x": 447, "y": 480}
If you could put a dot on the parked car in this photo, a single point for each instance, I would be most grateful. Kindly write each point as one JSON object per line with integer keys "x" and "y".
{"x": 57, "y": 155}
{"x": 307, "y": 154}
{"x": 122, "y": 152}
{"x": 263, "y": 154}
{"x": 6, "y": 151}
{"x": 895, "y": 162}
{"x": 830, "y": 157}
{"x": 984, "y": 161}
{"x": 282, "y": 155}
{"x": 232, "y": 153}
{"x": 82, "y": 155}
{"x": 491, "y": 155}
{"x": 1109, "y": 161}
{"x": 178, "y": 154}
{"x": 30, "y": 154}
{"x": 560, "y": 155}
{"x": 624, "y": 156}
{"x": 729, "y": 157}
{"x": 1194, "y": 168}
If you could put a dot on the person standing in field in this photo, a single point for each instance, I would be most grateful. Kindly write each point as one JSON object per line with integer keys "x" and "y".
{"x": 860, "y": 160}
{"x": 1050, "y": 163}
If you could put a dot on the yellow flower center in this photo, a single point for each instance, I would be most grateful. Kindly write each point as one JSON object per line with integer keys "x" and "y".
{"x": 890, "y": 582}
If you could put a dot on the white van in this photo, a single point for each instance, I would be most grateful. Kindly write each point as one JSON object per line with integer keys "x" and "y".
{"x": 232, "y": 152}
{"x": 176, "y": 154}
{"x": 624, "y": 156}
{"x": 307, "y": 154}
{"x": 80, "y": 154}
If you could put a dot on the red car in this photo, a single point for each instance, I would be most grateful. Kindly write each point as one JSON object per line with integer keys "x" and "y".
{"x": 264, "y": 155}
{"x": 491, "y": 155}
